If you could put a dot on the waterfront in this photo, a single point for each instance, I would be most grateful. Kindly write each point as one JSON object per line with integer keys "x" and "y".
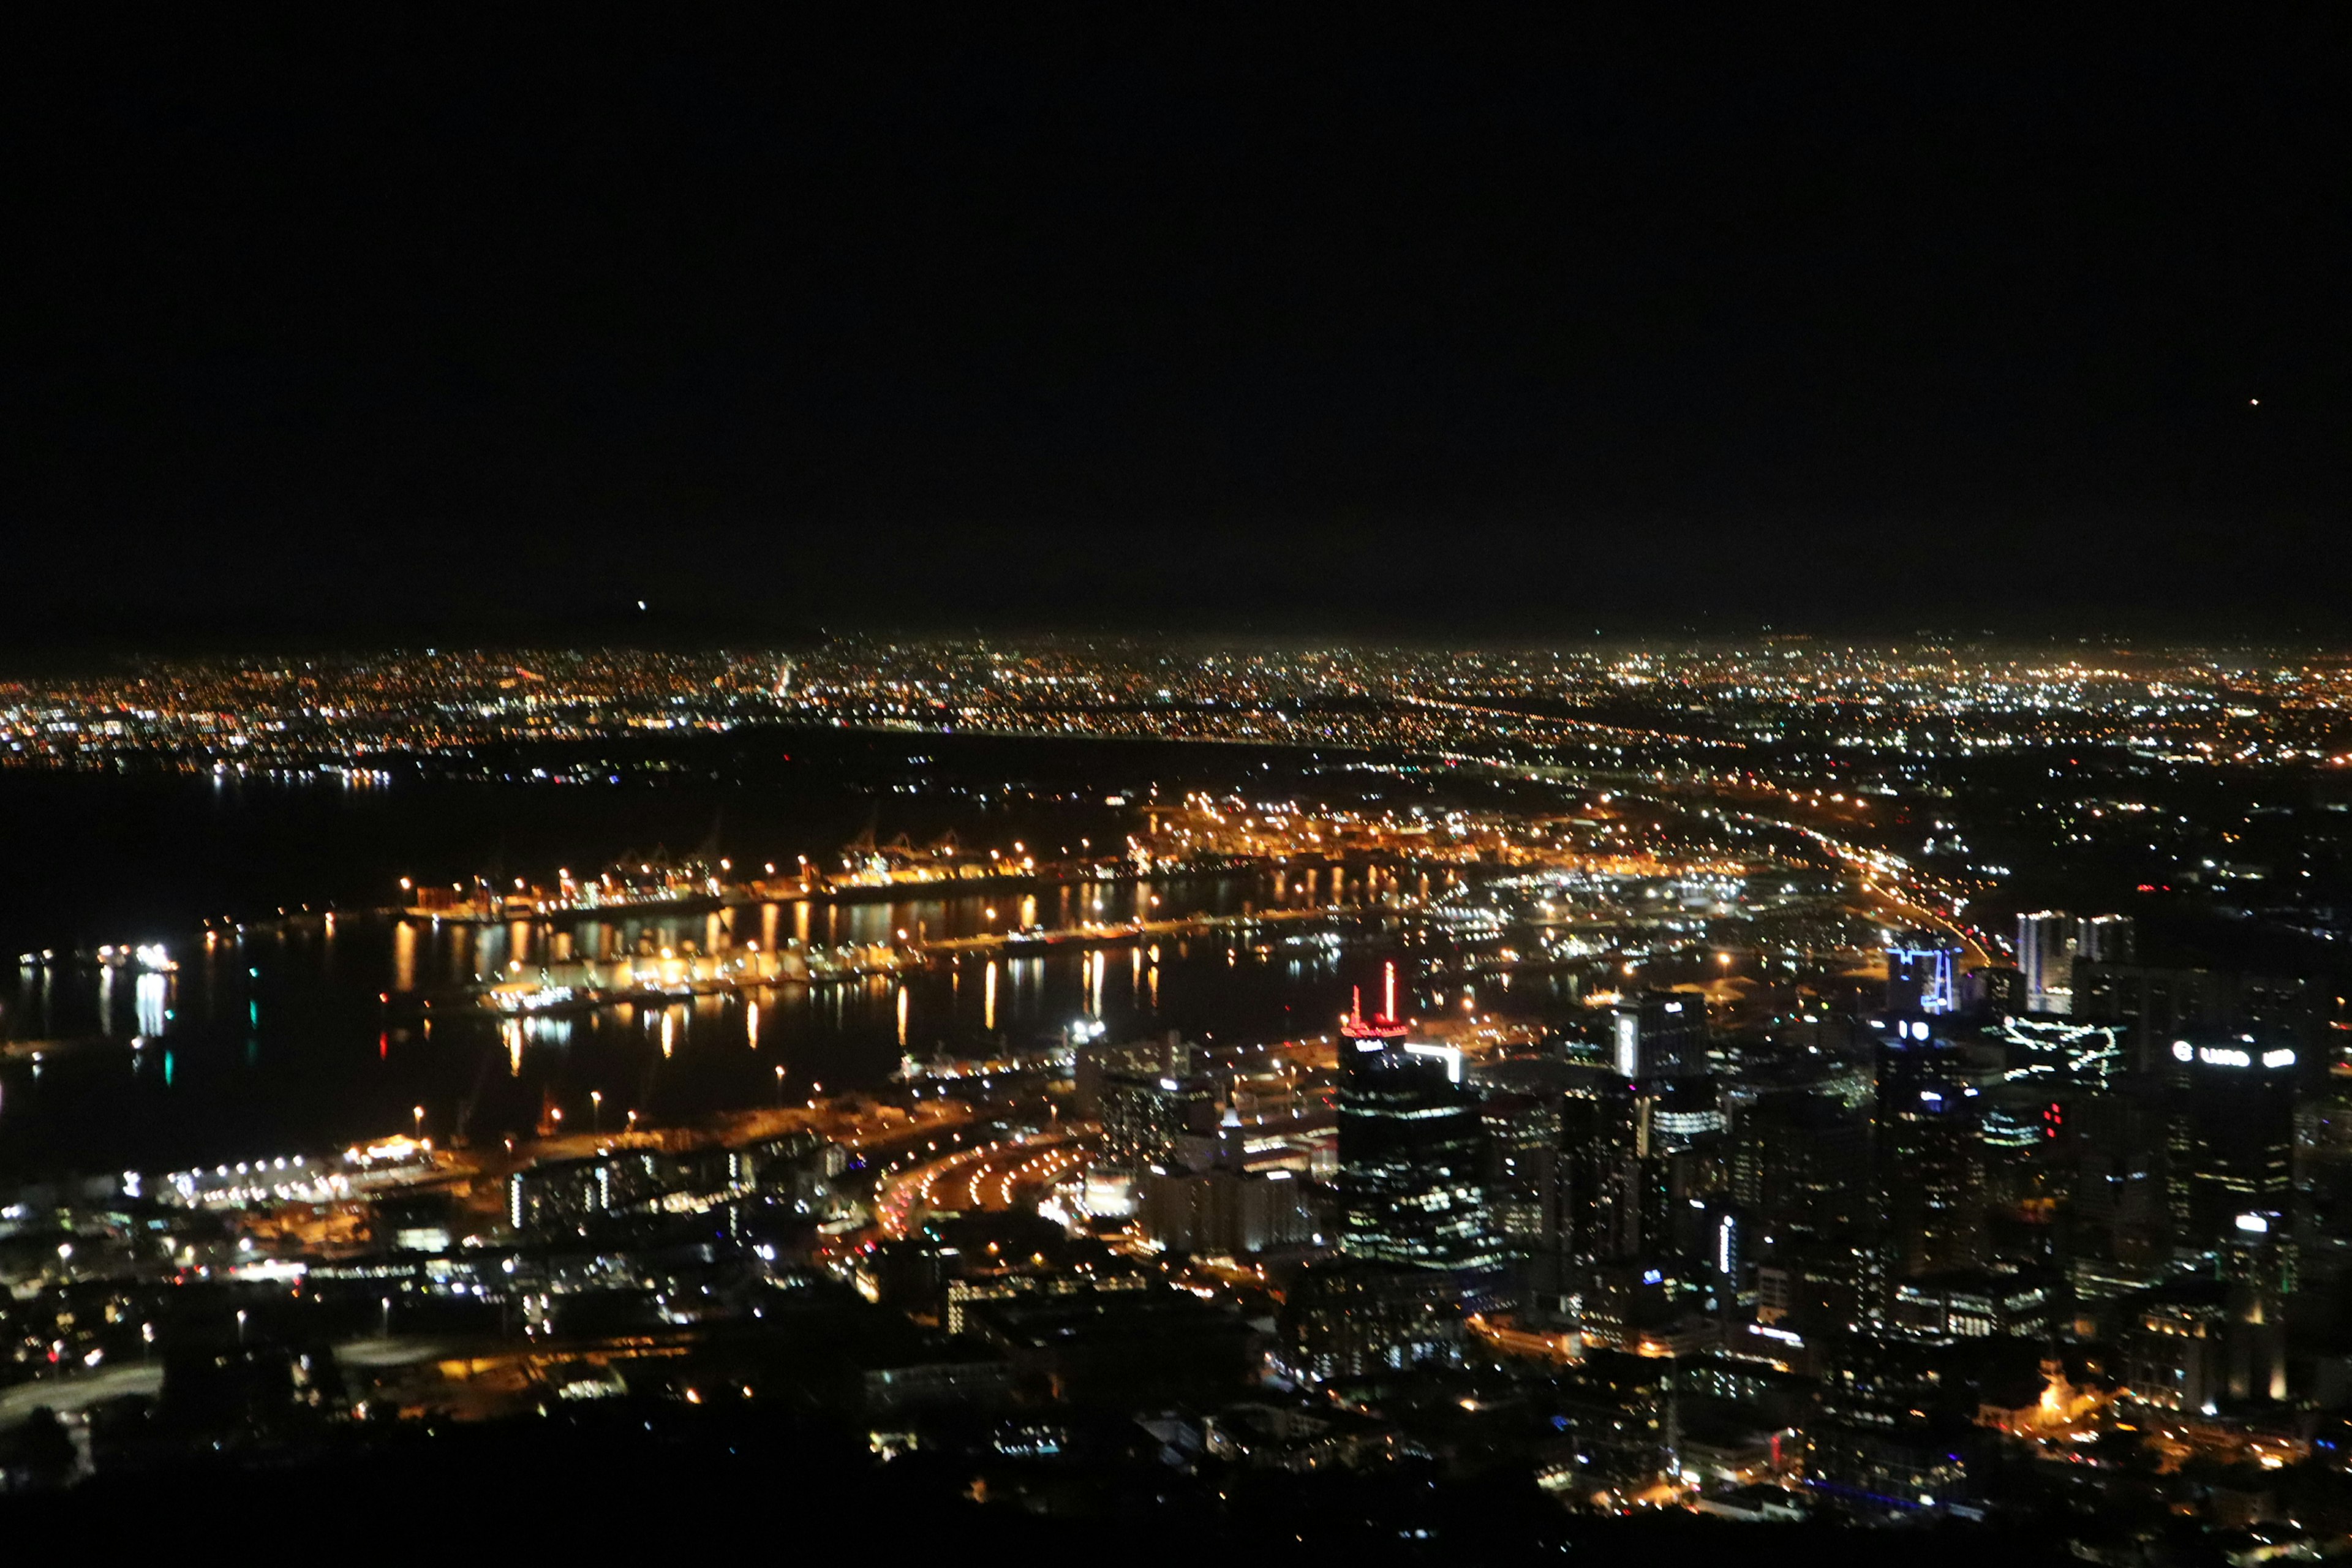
{"x": 278, "y": 1039}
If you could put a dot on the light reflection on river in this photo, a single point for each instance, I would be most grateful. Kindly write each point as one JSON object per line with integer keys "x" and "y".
{"x": 276, "y": 1040}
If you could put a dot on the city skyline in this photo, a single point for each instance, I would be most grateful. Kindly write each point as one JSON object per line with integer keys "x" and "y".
{"x": 1326, "y": 787}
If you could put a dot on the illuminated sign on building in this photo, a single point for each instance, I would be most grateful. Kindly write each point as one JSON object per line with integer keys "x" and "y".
{"x": 2232, "y": 1056}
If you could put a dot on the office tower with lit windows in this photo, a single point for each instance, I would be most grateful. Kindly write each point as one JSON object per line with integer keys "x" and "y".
{"x": 2045, "y": 956}
{"x": 2257, "y": 1262}
{"x": 1634, "y": 1157}
{"x": 1412, "y": 1153}
{"x": 1931, "y": 1161}
{"x": 1995, "y": 990}
{"x": 1523, "y": 1169}
{"x": 2230, "y": 1144}
{"x": 1923, "y": 977}
{"x": 1659, "y": 1035}
{"x": 2106, "y": 939}
{"x": 2157, "y": 1007}
{"x": 1417, "y": 1244}
{"x": 1149, "y": 1098}
{"x": 1800, "y": 1163}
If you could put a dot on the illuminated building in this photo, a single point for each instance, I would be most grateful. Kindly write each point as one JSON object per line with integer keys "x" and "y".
{"x": 1887, "y": 1431}
{"x": 2045, "y": 956}
{"x": 2061, "y": 1051}
{"x": 1523, "y": 1161}
{"x": 2172, "y": 1341}
{"x": 1347, "y": 1318}
{"x": 2022, "y": 1126}
{"x": 2120, "y": 1221}
{"x": 2258, "y": 1261}
{"x": 1223, "y": 1212}
{"x": 2232, "y": 1139}
{"x": 1912, "y": 1462}
{"x": 1923, "y": 979}
{"x": 1148, "y": 1099}
{"x": 2106, "y": 939}
{"x": 1971, "y": 1304}
{"x": 1931, "y": 1161}
{"x": 1800, "y": 1162}
{"x": 1996, "y": 989}
{"x": 1618, "y": 1413}
{"x": 1659, "y": 1035}
{"x": 2159, "y": 1005}
{"x": 1612, "y": 1195}
{"x": 1410, "y": 1154}
{"x": 1813, "y": 1286}
{"x": 1641, "y": 1201}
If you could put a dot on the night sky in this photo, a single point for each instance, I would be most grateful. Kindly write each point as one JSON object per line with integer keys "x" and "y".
{"x": 400, "y": 326}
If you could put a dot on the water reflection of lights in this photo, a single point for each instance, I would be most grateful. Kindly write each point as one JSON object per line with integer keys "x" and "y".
{"x": 152, "y": 991}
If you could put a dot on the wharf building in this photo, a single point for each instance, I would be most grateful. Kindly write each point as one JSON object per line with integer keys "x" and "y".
{"x": 574, "y": 1197}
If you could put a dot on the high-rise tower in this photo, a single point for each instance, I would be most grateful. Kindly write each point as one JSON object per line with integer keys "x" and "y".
{"x": 1411, "y": 1148}
{"x": 2045, "y": 954}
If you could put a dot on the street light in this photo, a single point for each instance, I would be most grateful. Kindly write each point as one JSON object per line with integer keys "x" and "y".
{"x": 597, "y": 1122}
{"x": 418, "y": 1112}
{"x": 779, "y": 1086}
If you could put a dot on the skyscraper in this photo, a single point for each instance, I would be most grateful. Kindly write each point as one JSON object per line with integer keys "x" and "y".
{"x": 1411, "y": 1151}
{"x": 1800, "y": 1162}
{"x": 1660, "y": 1035}
{"x": 1932, "y": 1159}
{"x": 1923, "y": 977}
{"x": 2106, "y": 939}
{"x": 2231, "y": 1137}
{"x": 2046, "y": 953}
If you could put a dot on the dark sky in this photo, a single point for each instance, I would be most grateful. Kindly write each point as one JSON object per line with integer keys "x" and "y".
{"x": 406, "y": 323}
